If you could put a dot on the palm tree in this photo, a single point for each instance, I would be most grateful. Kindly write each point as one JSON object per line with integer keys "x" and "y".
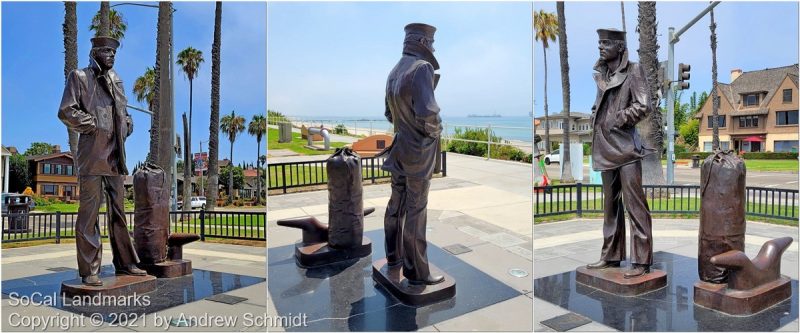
{"x": 190, "y": 59}
{"x": 652, "y": 128}
{"x": 622, "y": 8}
{"x": 213, "y": 127}
{"x": 231, "y": 125}
{"x": 145, "y": 90}
{"x": 714, "y": 97}
{"x": 546, "y": 27}
{"x": 114, "y": 27}
{"x": 257, "y": 128}
{"x": 70, "y": 29}
{"x": 566, "y": 177}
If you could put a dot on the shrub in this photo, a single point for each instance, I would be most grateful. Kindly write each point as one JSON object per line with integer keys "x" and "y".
{"x": 746, "y": 155}
{"x": 468, "y": 148}
{"x": 340, "y": 129}
{"x": 275, "y": 117}
{"x": 587, "y": 148}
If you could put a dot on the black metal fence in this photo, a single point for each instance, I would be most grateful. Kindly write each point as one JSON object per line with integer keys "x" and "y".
{"x": 288, "y": 175}
{"x": 58, "y": 225}
{"x": 677, "y": 199}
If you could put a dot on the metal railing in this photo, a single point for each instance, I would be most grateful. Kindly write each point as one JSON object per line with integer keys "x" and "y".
{"x": 676, "y": 199}
{"x": 289, "y": 175}
{"x": 207, "y": 224}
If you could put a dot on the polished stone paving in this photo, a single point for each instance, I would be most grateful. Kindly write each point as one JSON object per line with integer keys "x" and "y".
{"x": 335, "y": 300}
{"x": 169, "y": 293}
{"x": 667, "y": 309}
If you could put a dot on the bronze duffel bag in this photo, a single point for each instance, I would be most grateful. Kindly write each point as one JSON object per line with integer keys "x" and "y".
{"x": 151, "y": 213}
{"x": 722, "y": 212}
{"x": 345, "y": 202}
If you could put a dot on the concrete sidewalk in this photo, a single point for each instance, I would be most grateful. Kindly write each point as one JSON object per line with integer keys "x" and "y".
{"x": 563, "y": 246}
{"x": 482, "y": 204}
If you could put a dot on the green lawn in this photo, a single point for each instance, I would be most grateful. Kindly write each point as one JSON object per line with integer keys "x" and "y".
{"x": 297, "y": 144}
{"x": 73, "y": 208}
{"x": 667, "y": 205}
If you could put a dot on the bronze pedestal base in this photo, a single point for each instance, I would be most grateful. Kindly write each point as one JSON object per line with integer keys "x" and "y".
{"x": 319, "y": 254}
{"x": 611, "y": 280}
{"x": 742, "y": 302}
{"x": 392, "y": 279}
{"x": 169, "y": 268}
{"x": 113, "y": 285}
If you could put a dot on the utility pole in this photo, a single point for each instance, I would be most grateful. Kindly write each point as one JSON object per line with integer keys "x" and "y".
{"x": 674, "y": 38}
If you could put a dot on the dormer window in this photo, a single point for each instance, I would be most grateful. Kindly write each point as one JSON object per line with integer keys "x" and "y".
{"x": 750, "y": 100}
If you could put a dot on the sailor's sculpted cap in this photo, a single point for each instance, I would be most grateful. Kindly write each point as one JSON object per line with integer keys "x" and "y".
{"x": 105, "y": 42}
{"x": 421, "y": 29}
{"x": 611, "y": 34}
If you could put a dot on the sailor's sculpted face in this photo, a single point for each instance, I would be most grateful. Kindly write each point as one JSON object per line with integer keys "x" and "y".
{"x": 609, "y": 50}
{"x": 105, "y": 57}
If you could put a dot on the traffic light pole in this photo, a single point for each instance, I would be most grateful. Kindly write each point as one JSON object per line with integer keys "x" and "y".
{"x": 674, "y": 38}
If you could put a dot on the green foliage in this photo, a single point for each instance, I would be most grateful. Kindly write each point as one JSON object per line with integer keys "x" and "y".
{"x": 769, "y": 156}
{"x": 469, "y": 148}
{"x": 690, "y": 131}
{"x": 19, "y": 176}
{"x": 587, "y": 148}
{"x": 340, "y": 129}
{"x": 275, "y": 117}
{"x": 503, "y": 152}
{"x": 39, "y": 148}
{"x": 118, "y": 24}
{"x": 238, "y": 177}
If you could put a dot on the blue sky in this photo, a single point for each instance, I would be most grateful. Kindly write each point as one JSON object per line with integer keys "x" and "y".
{"x": 750, "y": 36}
{"x": 33, "y": 62}
{"x": 332, "y": 58}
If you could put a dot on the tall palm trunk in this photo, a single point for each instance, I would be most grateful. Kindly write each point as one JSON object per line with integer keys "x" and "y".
{"x": 70, "y": 29}
{"x": 258, "y": 171}
{"x": 105, "y": 22}
{"x": 213, "y": 138}
{"x": 166, "y": 115}
{"x": 230, "y": 176}
{"x": 714, "y": 97}
{"x": 622, "y": 8}
{"x": 652, "y": 128}
{"x": 566, "y": 176}
{"x": 546, "y": 116}
{"x": 187, "y": 168}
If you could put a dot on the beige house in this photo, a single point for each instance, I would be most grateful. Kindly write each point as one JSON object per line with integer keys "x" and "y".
{"x": 54, "y": 175}
{"x": 581, "y": 129}
{"x": 758, "y": 112}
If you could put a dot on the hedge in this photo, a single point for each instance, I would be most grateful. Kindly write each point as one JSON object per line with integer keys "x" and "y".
{"x": 749, "y": 156}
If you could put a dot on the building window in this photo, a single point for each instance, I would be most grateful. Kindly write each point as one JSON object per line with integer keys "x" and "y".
{"x": 750, "y": 100}
{"x": 59, "y": 169}
{"x": 721, "y": 119}
{"x": 787, "y": 95}
{"x": 786, "y": 146}
{"x": 748, "y": 121}
{"x": 381, "y": 144}
{"x": 786, "y": 117}
{"x": 724, "y": 145}
{"x": 69, "y": 190}
{"x": 50, "y": 189}
{"x": 69, "y": 170}
{"x": 46, "y": 168}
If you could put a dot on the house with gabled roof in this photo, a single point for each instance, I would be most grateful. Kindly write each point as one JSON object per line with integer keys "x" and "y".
{"x": 757, "y": 112}
{"x": 54, "y": 175}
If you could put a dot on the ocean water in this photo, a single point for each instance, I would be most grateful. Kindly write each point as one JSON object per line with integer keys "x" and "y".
{"x": 509, "y": 128}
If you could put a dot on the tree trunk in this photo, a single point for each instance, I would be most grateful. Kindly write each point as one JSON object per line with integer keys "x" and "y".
{"x": 714, "y": 97}
{"x": 230, "y": 177}
{"x": 546, "y": 117}
{"x": 187, "y": 168}
{"x": 213, "y": 127}
{"x": 166, "y": 144}
{"x": 622, "y": 8}
{"x": 258, "y": 171}
{"x": 652, "y": 127}
{"x": 566, "y": 176}
{"x": 190, "y": 108}
{"x": 105, "y": 22}
{"x": 70, "y": 29}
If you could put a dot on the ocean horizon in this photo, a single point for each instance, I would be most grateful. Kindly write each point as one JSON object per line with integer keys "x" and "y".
{"x": 507, "y": 127}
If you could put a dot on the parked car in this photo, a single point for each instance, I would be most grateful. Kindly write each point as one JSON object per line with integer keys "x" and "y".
{"x": 197, "y": 202}
{"x": 552, "y": 157}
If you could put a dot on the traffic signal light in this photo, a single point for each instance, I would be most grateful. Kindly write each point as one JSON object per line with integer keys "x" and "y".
{"x": 683, "y": 76}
